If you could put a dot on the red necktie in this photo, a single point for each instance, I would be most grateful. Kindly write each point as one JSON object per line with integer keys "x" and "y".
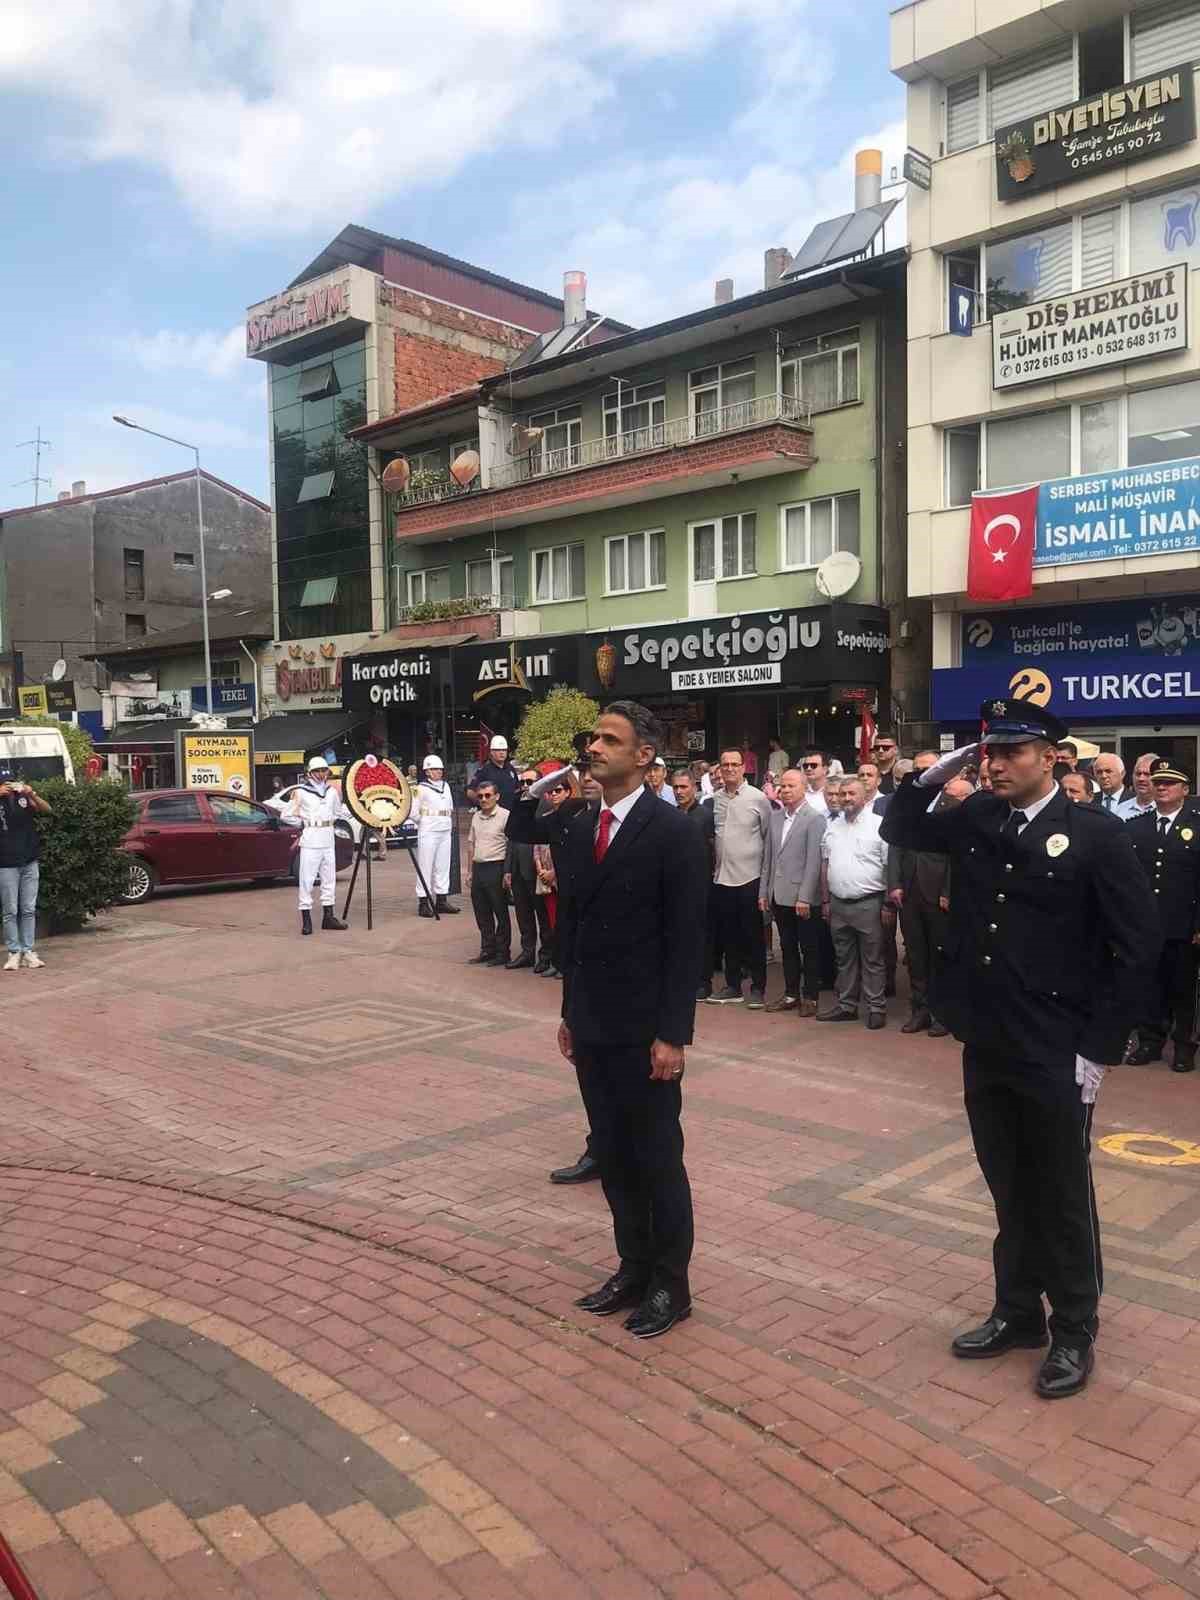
{"x": 607, "y": 818}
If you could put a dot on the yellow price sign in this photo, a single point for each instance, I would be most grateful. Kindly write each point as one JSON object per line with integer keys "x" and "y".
{"x": 215, "y": 761}
{"x": 32, "y": 702}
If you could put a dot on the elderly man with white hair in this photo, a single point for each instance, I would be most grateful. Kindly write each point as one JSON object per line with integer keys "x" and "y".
{"x": 1109, "y": 772}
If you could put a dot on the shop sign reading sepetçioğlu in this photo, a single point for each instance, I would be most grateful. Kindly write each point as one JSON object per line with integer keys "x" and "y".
{"x": 1144, "y": 118}
{"x": 1145, "y": 315}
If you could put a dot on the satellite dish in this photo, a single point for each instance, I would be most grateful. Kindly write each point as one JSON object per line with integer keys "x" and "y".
{"x": 838, "y": 574}
{"x": 464, "y": 469}
{"x": 58, "y": 671}
{"x": 396, "y": 475}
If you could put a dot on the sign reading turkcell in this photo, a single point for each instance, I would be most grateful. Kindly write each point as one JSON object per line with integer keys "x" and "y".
{"x": 1140, "y": 119}
{"x": 1145, "y": 315}
{"x": 1141, "y": 511}
{"x": 1115, "y": 686}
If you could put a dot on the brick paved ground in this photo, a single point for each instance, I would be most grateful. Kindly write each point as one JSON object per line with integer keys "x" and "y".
{"x": 286, "y": 1300}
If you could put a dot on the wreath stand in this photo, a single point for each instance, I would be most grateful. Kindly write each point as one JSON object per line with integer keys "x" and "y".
{"x": 366, "y": 840}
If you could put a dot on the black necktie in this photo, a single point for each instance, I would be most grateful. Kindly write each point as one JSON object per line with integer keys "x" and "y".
{"x": 1016, "y": 821}
{"x": 1164, "y": 827}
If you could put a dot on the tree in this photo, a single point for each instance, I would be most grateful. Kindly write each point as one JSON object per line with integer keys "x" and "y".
{"x": 79, "y": 743}
{"x": 549, "y": 726}
{"x": 83, "y": 868}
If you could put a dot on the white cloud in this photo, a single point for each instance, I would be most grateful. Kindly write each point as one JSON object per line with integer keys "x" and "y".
{"x": 215, "y": 355}
{"x": 206, "y": 432}
{"x": 276, "y": 115}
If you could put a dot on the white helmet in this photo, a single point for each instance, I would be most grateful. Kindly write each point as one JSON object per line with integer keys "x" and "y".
{"x": 432, "y": 764}
{"x": 318, "y": 764}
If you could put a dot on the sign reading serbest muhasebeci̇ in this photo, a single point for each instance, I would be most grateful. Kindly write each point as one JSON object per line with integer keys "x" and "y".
{"x": 1138, "y": 511}
{"x": 1140, "y": 119}
{"x": 1145, "y": 315}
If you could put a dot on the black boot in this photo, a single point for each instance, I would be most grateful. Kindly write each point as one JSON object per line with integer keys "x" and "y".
{"x": 446, "y": 909}
{"x": 330, "y": 919}
{"x": 424, "y": 909}
{"x": 306, "y": 922}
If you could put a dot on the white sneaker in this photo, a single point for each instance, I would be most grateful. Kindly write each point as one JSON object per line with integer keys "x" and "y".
{"x": 13, "y": 962}
{"x": 32, "y": 959}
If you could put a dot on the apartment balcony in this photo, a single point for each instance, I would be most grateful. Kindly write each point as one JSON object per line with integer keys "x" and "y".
{"x": 754, "y": 438}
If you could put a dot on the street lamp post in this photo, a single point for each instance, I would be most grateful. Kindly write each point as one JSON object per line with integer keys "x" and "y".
{"x": 138, "y": 428}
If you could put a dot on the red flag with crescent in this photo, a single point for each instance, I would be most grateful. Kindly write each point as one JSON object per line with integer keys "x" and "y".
{"x": 1003, "y": 535}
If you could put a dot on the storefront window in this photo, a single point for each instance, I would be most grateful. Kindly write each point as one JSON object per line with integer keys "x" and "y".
{"x": 1164, "y": 424}
{"x": 1029, "y": 449}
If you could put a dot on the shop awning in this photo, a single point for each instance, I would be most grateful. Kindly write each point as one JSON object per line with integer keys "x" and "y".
{"x": 304, "y": 730}
{"x": 132, "y": 737}
{"x": 395, "y": 641}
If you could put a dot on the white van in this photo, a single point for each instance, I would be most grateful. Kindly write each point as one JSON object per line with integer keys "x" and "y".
{"x": 35, "y": 753}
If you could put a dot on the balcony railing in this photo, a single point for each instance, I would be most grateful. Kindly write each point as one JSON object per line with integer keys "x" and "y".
{"x": 475, "y": 605}
{"x": 541, "y": 462}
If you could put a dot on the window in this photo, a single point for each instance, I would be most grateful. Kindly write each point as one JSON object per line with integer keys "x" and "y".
{"x": 1028, "y": 449}
{"x": 1032, "y": 266}
{"x": 1030, "y": 85}
{"x": 316, "y": 486}
{"x": 962, "y": 114}
{"x": 725, "y": 549}
{"x": 135, "y": 574}
{"x": 1102, "y": 58}
{"x": 961, "y": 450}
{"x": 230, "y": 813}
{"x": 318, "y": 382}
{"x": 1165, "y": 37}
{"x": 1164, "y": 424}
{"x": 480, "y": 583}
{"x": 184, "y": 561}
{"x": 559, "y": 444}
{"x": 962, "y": 272}
{"x": 428, "y": 463}
{"x": 814, "y": 529}
{"x": 431, "y": 584}
{"x": 1098, "y": 241}
{"x": 135, "y": 625}
{"x": 823, "y": 371}
{"x": 227, "y": 671}
{"x": 721, "y": 397}
{"x": 558, "y": 573}
{"x": 635, "y": 561}
{"x": 634, "y": 415}
{"x": 319, "y": 592}
{"x": 1100, "y": 436}
{"x": 173, "y": 808}
{"x": 1164, "y": 228}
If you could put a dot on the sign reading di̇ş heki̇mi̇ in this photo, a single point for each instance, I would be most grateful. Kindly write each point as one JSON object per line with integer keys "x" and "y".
{"x": 215, "y": 760}
{"x": 1141, "y": 511}
{"x": 1145, "y": 315}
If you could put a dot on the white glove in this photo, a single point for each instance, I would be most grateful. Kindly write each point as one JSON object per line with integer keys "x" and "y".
{"x": 1089, "y": 1075}
{"x": 539, "y": 787}
{"x": 948, "y": 767}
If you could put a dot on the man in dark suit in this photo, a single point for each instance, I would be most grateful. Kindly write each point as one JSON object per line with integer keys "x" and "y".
{"x": 1052, "y": 939}
{"x": 919, "y": 888}
{"x": 1167, "y": 844}
{"x": 1109, "y": 772}
{"x": 700, "y": 813}
{"x": 631, "y": 929}
{"x": 790, "y": 889}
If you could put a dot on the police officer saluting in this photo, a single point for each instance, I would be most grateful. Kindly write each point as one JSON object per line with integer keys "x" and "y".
{"x": 1051, "y": 943}
{"x": 1167, "y": 842}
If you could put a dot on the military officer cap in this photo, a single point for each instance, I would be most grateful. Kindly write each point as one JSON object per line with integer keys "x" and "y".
{"x": 1019, "y": 722}
{"x": 1164, "y": 771}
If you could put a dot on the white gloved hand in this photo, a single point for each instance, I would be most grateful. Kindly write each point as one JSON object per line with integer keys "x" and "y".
{"x": 948, "y": 767}
{"x": 1089, "y": 1075}
{"x": 539, "y": 786}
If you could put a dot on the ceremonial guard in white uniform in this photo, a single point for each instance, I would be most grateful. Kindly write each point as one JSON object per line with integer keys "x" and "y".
{"x": 314, "y": 807}
{"x": 435, "y": 831}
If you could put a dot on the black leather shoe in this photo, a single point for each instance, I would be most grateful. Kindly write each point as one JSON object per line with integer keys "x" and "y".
{"x": 657, "y": 1314}
{"x": 584, "y": 1170}
{"x": 306, "y": 922}
{"x": 1185, "y": 1060}
{"x": 483, "y": 959}
{"x": 446, "y": 909}
{"x": 938, "y": 1030}
{"x": 330, "y": 919}
{"x": 623, "y": 1289}
{"x": 876, "y": 1020}
{"x": 1064, "y": 1372}
{"x": 1143, "y": 1055}
{"x": 837, "y": 1015}
{"x": 996, "y": 1337}
{"x": 500, "y": 960}
{"x": 519, "y": 964}
{"x": 917, "y": 1023}
{"x": 541, "y": 966}
{"x": 424, "y": 909}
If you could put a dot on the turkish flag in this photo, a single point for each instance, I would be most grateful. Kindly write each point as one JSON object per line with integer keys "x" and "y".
{"x": 866, "y": 733}
{"x": 1003, "y": 534}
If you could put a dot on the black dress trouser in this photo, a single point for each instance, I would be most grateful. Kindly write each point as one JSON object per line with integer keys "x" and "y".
{"x": 924, "y": 929}
{"x": 736, "y": 910}
{"x": 1175, "y": 1007}
{"x": 1032, "y": 1138}
{"x": 638, "y": 1142}
{"x": 798, "y": 950}
{"x": 490, "y": 905}
{"x": 524, "y": 898}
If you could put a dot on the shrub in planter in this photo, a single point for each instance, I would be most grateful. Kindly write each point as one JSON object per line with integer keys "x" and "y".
{"x": 82, "y": 868}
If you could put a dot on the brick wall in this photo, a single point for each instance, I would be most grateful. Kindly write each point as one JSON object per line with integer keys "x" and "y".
{"x": 464, "y": 514}
{"x": 426, "y": 368}
{"x": 460, "y": 348}
{"x": 484, "y": 626}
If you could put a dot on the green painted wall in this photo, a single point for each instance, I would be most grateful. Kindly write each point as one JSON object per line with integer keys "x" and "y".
{"x": 845, "y": 450}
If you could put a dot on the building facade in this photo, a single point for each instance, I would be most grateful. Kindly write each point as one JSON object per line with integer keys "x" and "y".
{"x": 1051, "y": 295}
{"x": 90, "y": 570}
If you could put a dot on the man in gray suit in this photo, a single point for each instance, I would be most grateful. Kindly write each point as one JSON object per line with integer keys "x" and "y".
{"x": 790, "y": 889}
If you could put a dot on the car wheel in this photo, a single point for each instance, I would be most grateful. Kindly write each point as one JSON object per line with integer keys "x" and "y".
{"x": 142, "y": 879}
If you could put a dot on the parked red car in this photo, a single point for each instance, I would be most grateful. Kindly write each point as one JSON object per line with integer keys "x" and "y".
{"x": 193, "y": 836}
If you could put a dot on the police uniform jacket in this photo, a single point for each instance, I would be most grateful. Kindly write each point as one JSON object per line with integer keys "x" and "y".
{"x": 1052, "y": 937}
{"x": 1172, "y": 868}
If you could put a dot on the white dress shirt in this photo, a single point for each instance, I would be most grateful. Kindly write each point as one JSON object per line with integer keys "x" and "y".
{"x": 706, "y": 786}
{"x": 1112, "y": 803}
{"x": 788, "y": 818}
{"x": 856, "y": 856}
{"x": 1033, "y": 808}
{"x": 1169, "y": 817}
{"x": 619, "y": 812}
{"x": 816, "y": 799}
{"x": 1133, "y": 807}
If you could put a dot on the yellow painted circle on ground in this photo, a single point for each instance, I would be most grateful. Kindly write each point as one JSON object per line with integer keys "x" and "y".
{"x": 1180, "y": 1152}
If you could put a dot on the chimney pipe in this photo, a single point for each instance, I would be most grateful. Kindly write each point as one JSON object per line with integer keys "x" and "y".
{"x": 776, "y": 261}
{"x": 79, "y": 487}
{"x": 574, "y": 297}
{"x": 723, "y": 291}
{"x": 868, "y": 178}
{"x": 64, "y": 494}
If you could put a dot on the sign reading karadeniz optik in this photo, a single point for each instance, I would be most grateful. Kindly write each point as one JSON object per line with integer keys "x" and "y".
{"x": 819, "y": 645}
{"x": 1140, "y": 119}
{"x": 1145, "y": 315}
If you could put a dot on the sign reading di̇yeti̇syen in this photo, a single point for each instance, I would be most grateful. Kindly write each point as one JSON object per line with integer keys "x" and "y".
{"x": 1145, "y": 315}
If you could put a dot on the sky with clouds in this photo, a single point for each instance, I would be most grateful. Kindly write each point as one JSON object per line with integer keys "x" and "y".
{"x": 172, "y": 161}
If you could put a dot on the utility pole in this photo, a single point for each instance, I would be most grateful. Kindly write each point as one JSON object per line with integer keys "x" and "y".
{"x": 37, "y": 444}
